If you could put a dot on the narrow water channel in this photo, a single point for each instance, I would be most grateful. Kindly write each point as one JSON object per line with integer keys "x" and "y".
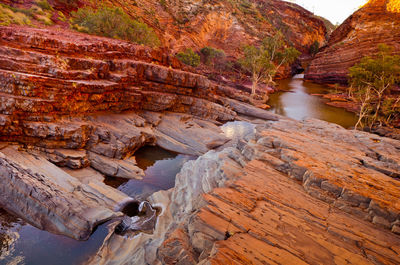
{"x": 295, "y": 100}
{"x": 21, "y": 243}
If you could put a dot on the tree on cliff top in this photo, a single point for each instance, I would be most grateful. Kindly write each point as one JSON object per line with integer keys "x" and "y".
{"x": 264, "y": 61}
{"x": 371, "y": 80}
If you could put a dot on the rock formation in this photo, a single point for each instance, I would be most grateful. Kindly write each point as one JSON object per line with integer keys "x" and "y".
{"x": 72, "y": 100}
{"x": 226, "y": 24}
{"x": 75, "y": 108}
{"x": 292, "y": 193}
{"x": 357, "y": 37}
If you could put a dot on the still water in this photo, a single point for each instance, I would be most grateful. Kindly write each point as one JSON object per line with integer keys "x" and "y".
{"x": 160, "y": 167}
{"x": 296, "y": 101}
{"x": 21, "y": 243}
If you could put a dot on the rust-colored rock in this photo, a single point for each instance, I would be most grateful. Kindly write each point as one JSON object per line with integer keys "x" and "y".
{"x": 226, "y": 25}
{"x": 48, "y": 74}
{"x": 357, "y": 37}
{"x": 291, "y": 193}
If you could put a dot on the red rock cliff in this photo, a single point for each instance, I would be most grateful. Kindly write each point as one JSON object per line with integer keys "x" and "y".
{"x": 357, "y": 37}
{"x": 226, "y": 24}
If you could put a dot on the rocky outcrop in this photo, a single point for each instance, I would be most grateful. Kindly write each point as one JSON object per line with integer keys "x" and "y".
{"x": 226, "y": 25}
{"x": 46, "y": 75}
{"x": 80, "y": 101}
{"x": 357, "y": 37}
{"x": 52, "y": 200}
{"x": 294, "y": 192}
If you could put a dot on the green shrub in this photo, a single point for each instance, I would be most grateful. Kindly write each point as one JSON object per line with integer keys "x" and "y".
{"x": 9, "y": 15}
{"x": 43, "y": 4}
{"x": 314, "y": 48}
{"x": 371, "y": 80}
{"x": 189, "y": 57}
{"x": 211, "y": 55}
{"x": 113, "y": 23}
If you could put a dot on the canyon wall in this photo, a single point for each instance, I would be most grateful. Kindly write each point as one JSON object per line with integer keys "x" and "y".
{"x": 357, "y": 37}
{"x": 226, "y": 25}
{"x": 46, "y": 75}
{"x": 74, "y": 108}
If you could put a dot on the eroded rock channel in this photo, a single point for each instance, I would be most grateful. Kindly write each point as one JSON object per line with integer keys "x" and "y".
{"x": 264, "y": 189}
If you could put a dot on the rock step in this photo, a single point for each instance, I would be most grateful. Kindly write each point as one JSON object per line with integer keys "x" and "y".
{"x": 72, "y": 43}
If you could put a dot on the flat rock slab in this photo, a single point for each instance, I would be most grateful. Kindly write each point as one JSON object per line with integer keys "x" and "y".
{"x": 268, "y": 219}
{"x": 51, "y": 199}
{"x": 121, "y": 168}
{"x": 182, "y": 134}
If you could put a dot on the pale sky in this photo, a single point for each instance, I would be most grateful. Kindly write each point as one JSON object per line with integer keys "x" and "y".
{"x": 334, "y": 10}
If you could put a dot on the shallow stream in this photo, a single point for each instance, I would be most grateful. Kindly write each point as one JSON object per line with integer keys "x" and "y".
{"x": 295, "y": 100}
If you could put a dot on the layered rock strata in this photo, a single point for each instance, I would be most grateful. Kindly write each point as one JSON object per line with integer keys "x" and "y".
{"x": 80, "y": 101}
{"x": 357, "y": 37}
{"x": 52, "y": 200}
{"x": 293, "y": 193}
{"x": 47, "y": 74}
{"x": 226, "y": 25}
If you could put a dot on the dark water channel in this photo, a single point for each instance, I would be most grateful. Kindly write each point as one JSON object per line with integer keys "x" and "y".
{"x": 21, "y": 243}
{"x": 295, "y": 100}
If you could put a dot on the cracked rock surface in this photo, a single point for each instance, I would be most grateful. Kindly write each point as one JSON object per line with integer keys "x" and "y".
{"x": 292, "y": 193}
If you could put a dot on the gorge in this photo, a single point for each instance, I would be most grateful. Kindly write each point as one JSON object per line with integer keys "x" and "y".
{"x": 117, "y": 153}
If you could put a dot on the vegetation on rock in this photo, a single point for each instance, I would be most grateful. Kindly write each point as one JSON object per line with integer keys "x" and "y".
{"x": 113, "y": 23}
{"x": 212, "y": 55}
{"x": 371, "y": 81}
{"x": 264, "y": 61}
{"x": 189, "y": 57}
{"x": 40, "y": 11}
{"x": 314, "y": 48}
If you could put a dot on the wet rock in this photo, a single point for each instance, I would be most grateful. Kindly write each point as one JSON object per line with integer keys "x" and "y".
{"x": 142, "y": 221}
{"x": 236, "y": 205}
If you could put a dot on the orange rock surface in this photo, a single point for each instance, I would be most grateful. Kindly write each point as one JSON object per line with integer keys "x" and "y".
{"x": 305, "y": 192}
{"x": 357, "y": 37}
{"x": 226, "y": 25}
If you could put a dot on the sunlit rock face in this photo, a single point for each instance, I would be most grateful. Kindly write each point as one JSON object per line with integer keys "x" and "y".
{"x": 48, "y": 74}
{"x": 287, "y": 192}
{"x": 359, "y": 36}
{"x": 226, "y": 25}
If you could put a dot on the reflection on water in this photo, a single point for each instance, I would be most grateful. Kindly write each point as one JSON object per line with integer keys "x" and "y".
{"x": 21, "y": 243}
{"x": 160, "y": 168}
{"x": 297, "y": 102}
